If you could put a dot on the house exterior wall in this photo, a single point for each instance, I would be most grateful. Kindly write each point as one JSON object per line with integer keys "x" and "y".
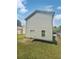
{"x": 37, "y": 23}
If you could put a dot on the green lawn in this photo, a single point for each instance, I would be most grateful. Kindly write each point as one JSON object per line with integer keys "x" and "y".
{"x": 38, "y": 50}
{"x": 20, "y": 36}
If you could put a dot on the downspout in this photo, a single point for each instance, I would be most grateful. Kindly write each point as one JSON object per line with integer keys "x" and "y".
{"x": 52, "y": 23}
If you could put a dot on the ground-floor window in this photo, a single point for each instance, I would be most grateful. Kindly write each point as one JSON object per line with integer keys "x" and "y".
{"x": 43, "y": 33}
{"x": 32, "y": 30}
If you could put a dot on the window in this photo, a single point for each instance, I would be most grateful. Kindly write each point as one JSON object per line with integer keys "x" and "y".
{"x": 43, "y": 33}
{"x": 32, "y": 30}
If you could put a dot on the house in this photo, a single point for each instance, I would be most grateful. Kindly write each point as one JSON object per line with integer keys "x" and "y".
{"x": 19, "y": 30}
{"x": 39, "y": 25}
{"x": 24, "y": 27}
{"x": 19, "y": 27}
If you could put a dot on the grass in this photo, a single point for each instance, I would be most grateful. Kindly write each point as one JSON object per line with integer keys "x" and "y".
{"x": 20, "y": 36}
{"x": 37, "y": 50}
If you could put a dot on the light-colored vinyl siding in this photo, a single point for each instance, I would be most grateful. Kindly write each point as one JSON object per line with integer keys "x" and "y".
{"x": 39, "y": 22}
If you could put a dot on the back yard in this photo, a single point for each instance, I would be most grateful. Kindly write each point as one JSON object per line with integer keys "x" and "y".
{"x": 36, "y": 49}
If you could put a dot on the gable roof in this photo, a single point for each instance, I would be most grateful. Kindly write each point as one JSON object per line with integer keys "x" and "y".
{"x": 39, "y": 11}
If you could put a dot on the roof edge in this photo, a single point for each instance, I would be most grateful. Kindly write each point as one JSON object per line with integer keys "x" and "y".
{"x": 40, "y": 11}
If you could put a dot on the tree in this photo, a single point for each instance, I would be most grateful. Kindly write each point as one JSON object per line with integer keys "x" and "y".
{"x": 19, "y": 23}
{"x": 59, "y": 28}
{"x": 54, "y": 29}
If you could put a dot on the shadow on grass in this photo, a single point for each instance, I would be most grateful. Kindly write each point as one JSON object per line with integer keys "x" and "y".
{"x": 43, "y": 41}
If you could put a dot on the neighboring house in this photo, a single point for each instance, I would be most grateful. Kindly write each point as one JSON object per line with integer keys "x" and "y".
{"x": 19, "y": 30}
{"x": 39, "y": 25}
{"x": 24, "y": 28}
